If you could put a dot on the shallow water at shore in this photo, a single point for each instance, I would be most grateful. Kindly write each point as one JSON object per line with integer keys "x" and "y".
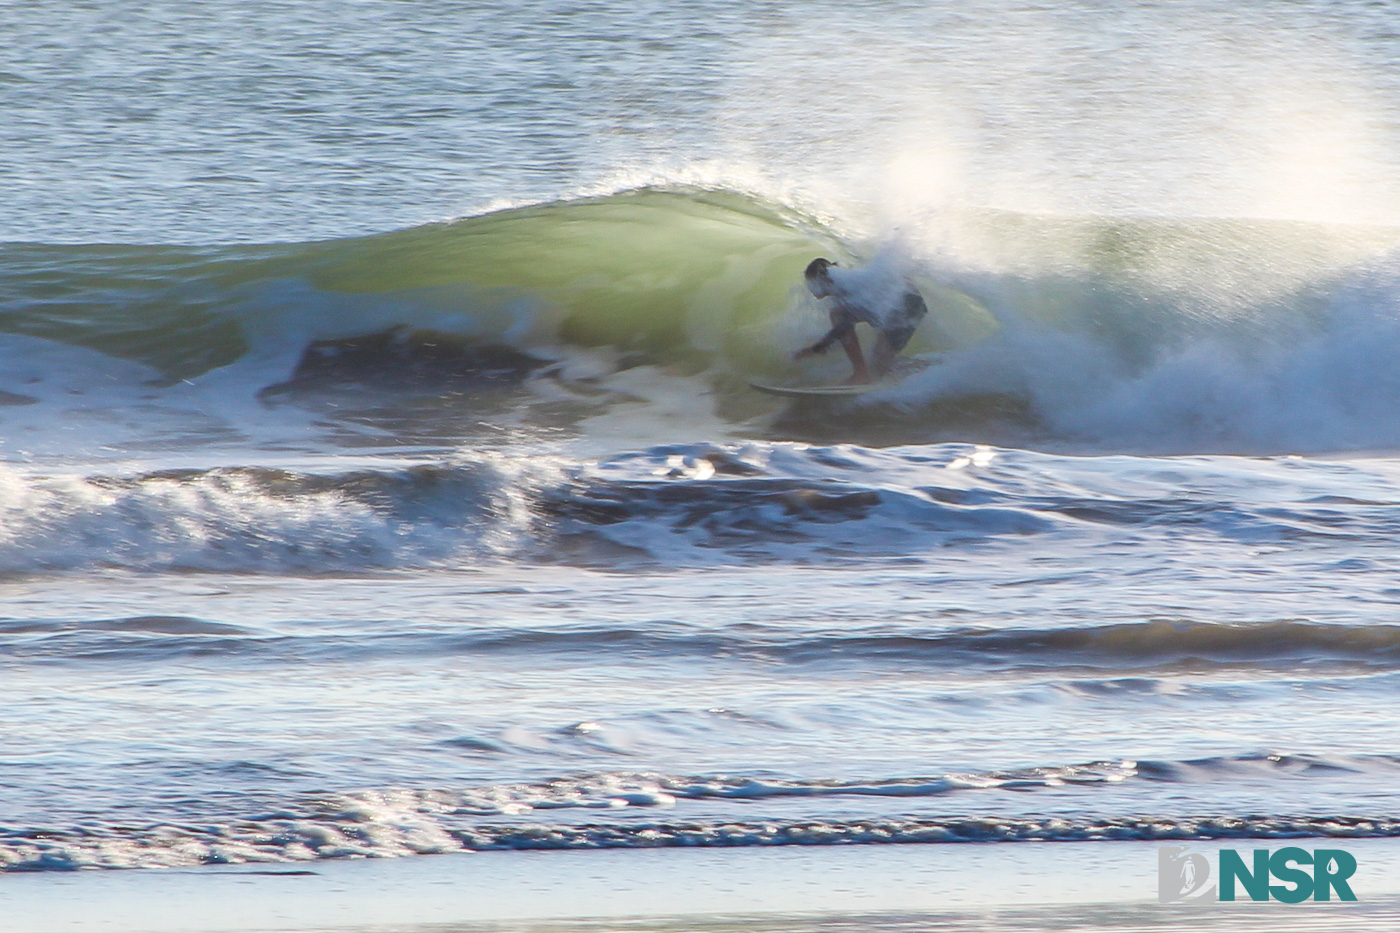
{"x": 892, "y": 889}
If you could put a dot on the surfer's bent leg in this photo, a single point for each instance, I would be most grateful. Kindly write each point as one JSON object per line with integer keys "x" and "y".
{"x": 897, "y": 331}
{"x": 851, "y": 344}
{"x": 888, "y": 345}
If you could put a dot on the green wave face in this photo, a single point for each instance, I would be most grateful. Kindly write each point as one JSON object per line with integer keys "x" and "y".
{"x": 169, "y": 307}
{"x": 686, "y": 277}
{"x": 671, "y": 274}
{"x": 665, "y": 273}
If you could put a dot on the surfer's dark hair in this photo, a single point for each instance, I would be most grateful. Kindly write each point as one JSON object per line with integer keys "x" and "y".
{"x": 817, "y": 268}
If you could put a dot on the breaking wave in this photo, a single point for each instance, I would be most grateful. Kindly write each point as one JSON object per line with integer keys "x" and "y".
{"x": 398, "y": 822}
{"x": 707, "y": 505}
{"x": 685, "y": 505}
{"x": 1185, "y": 335}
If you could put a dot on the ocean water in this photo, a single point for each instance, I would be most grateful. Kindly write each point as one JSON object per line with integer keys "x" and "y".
{"x": 381, "y": 475}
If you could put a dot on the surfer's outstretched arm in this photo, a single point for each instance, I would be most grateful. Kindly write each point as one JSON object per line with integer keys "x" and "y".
{"x": 837, "y": 333}
{"x": 843, "y": 331}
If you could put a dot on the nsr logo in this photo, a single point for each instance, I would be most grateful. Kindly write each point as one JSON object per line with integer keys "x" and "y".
{"x": 1182, "y": 875}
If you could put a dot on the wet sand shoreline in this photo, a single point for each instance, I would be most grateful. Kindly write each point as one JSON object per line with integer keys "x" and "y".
{"x": 973, "y": 886}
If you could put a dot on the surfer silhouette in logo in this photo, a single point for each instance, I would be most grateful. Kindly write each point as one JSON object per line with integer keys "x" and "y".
{"x": 894, "y": 323}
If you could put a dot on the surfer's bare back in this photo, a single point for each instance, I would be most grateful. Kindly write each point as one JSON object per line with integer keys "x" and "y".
{"x": 894, "y": 326}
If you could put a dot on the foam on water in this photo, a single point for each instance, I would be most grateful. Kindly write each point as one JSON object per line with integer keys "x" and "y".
{"x": 697, "y": 505}
{"x": 396, "y": 822}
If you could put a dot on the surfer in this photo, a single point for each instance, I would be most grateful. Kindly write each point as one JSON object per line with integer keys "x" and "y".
{"x": 893, "y": 325}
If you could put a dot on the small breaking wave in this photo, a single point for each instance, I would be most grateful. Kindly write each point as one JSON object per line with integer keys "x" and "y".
{"x": 299, "y": 841}
{"x": 399, "y": 822}
{"x": 258, "y": 519}
{"x": 689, "y": 505}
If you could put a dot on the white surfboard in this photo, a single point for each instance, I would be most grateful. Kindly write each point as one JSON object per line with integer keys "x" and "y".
{"x": 905, "y": 367}
{"x": 838, "y": 391}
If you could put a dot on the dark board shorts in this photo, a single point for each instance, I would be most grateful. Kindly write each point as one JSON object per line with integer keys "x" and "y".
{"x": 898, "y": 337}
{"x": 900, "y": 326}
